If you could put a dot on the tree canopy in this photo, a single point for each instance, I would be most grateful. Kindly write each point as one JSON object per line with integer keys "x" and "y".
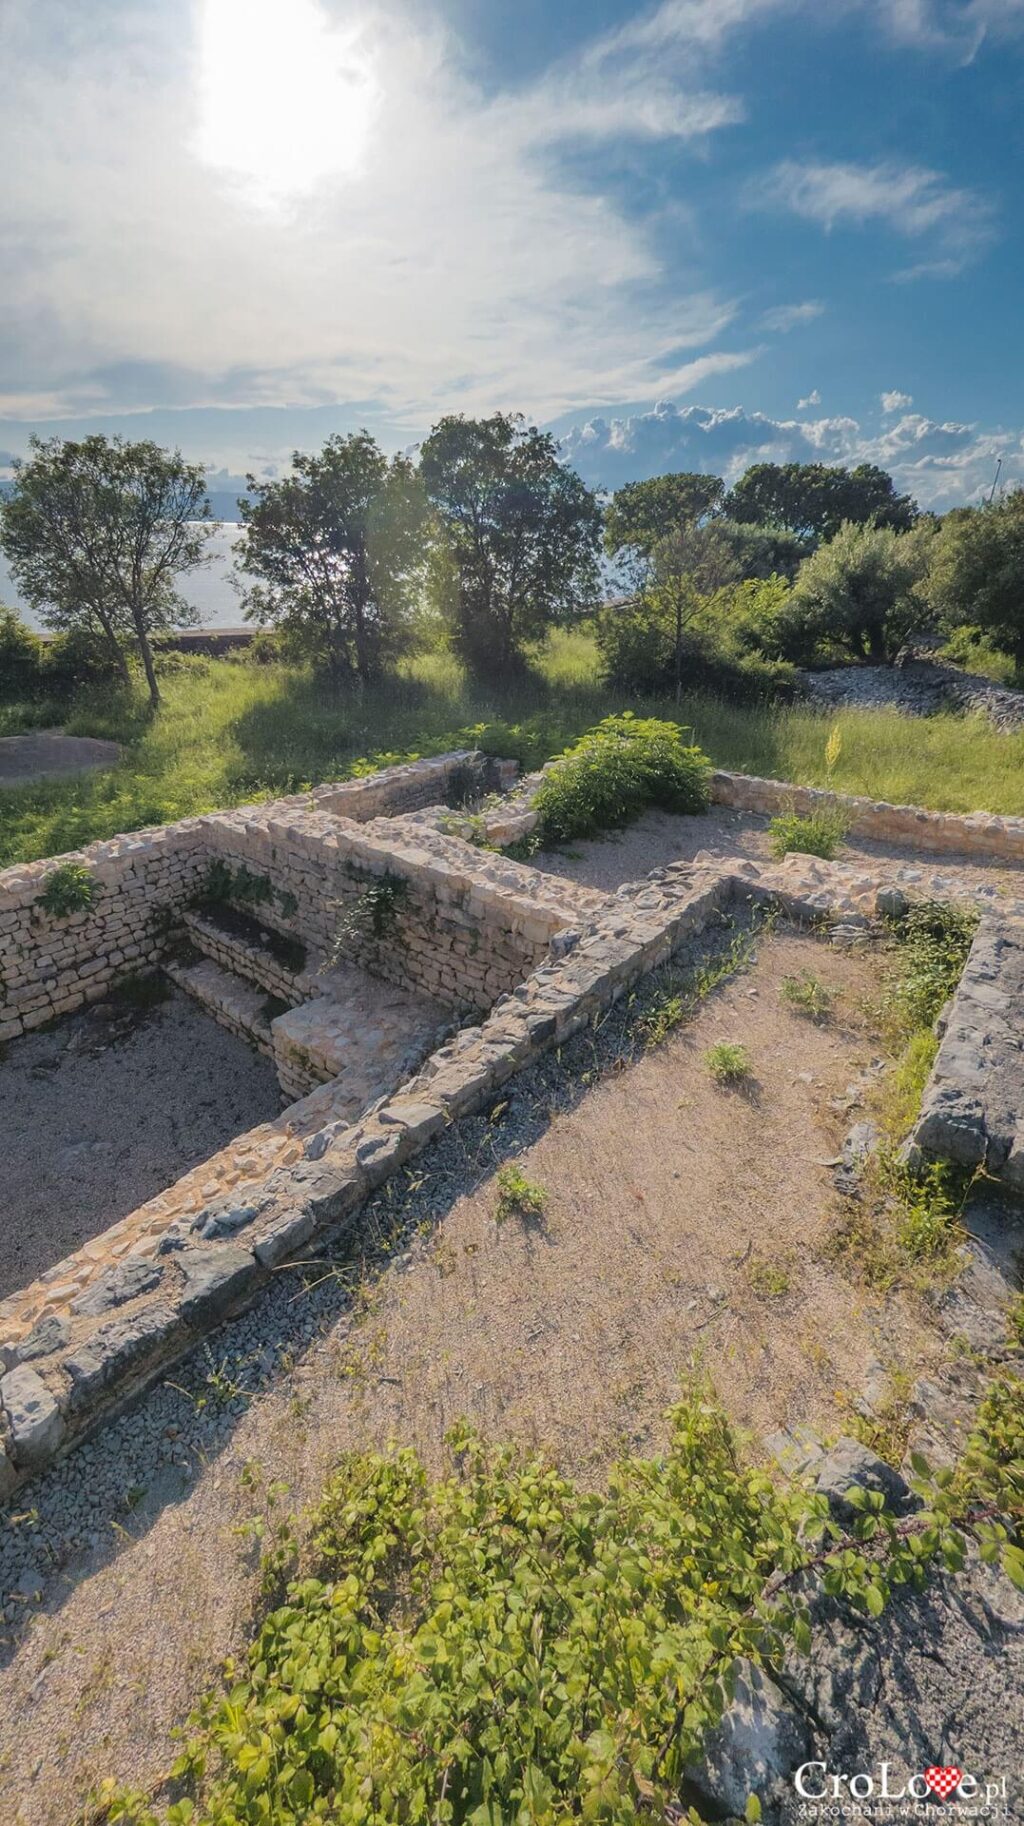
{"x": 97, "y": 533}
{"x": 336, "y": 551}
{"x": 641, "y": 514}
{"x": 862, "y": 592}
{"x": 978, "y": 572}
{"x": 521, "y": 534}
{"x": 813, "y": 499}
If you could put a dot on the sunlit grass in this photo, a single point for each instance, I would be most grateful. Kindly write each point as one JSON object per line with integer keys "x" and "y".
{"x": 231, "y": 732}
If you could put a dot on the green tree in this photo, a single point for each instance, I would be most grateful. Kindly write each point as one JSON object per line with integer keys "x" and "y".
{"x": 689, "y": 566}
{"x": 21, "y": 658}
{"x": 97, "y": 533}
{"x": 336, "y": 550}
{"x": 977, "y": 578}
{"x": 641, "y": 515}
{"x": 862, "y": 592}
{"x": 521, "y": 532}
{"x": 813, "y": 499}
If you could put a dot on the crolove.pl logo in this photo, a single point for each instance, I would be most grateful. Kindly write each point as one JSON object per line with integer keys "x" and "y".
{"x": 878, "y": 1793}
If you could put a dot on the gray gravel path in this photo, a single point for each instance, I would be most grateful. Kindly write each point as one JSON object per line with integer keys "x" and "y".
{"x": 46, "y": 754}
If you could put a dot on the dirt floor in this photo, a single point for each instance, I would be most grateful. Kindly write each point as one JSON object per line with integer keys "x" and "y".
{"x": 682, "y": 1220}
{"x": 103, "y": 1110}
{"x": 47, "y": 754}
{"x": 659, "y": 838}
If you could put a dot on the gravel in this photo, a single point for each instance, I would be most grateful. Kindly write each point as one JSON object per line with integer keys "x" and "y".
{"x": 917, "y": 688}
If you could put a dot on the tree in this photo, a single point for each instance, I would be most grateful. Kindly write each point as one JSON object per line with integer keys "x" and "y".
{"x": 977, "y": 577}
{"x": 862, "y": 592}
{"x": 337, "y": 548}
{"x": 641, "y": 514}
{"x": 521, "y": 530}
{"x": 97, "y": 532}
{"x": 813, "y": 500}
{"x": 689, "y": 565}
{"x": 764, "y": 551}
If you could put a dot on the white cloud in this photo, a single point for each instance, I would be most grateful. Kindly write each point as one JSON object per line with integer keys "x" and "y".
{"x": 911, "y": 200}
{"x": 790, "y": 316}
{"x": 940, "y": 463}
{"x": 813, "y": 399}
{"x": 434, "y": 259}
{"x": 895, "y": 402}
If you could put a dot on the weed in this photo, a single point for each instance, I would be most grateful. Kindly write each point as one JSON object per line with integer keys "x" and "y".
{"x": 931, "y": 941}
{"x": 816, "y": 834}
{"x": 518, "y": 1196}
{"x": 70, "y": 889}
{"x": 728, "y": 1062}
{"x": 373, "y": 916}
{"x": 807, "y": 995}
{"x": 769, "y": 1280}
{"x": 616, "y": 770}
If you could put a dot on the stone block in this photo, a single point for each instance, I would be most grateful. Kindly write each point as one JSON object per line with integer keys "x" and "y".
{"x": 119, "y": 1352}
{"x": 36, "y": 1423}
{"x": 219, "y": 1280}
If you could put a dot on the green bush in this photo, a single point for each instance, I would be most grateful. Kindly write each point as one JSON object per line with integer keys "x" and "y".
{"x": 75, "y": 659}
{"x": 933, "y": 940}
{"x": 617, "y": 770}
{"x": 818, "y": 834}
{"x": 721, "y": 648}
{"x": 70, "y": 889}
{"x": 21, "y": 657}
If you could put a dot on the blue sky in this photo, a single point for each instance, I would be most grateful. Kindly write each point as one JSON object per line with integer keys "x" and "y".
{"x": 685, "y": 235}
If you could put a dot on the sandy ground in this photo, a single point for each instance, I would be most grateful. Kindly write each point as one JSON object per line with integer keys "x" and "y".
{"x": 46, "y": 754}
{"x": 659, "y": 838}
{"x": 105, "y": 1109}
{"x": 665, "y": 1195}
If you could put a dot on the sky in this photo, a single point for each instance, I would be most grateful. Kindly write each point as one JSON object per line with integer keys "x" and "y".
{"x": 689, "y": 235}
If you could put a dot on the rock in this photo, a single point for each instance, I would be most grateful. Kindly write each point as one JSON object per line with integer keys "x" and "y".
{"x": 759, "y": 1740}
{"x": 860, "y": 1143}
{"x": 46, "y": 1336}
{"x": 282, "y": 1234}
{"x": 36, "y": 1422}
{"x": 849, "y": 1466}
{"x": 119, "y": 1285}
{"x": 218, "y": 1280}
{"x": 125, "y": 1345}
{"x": 225, "y": 1219}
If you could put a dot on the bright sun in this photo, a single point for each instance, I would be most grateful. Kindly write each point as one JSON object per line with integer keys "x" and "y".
{"x": 285, "y": 98}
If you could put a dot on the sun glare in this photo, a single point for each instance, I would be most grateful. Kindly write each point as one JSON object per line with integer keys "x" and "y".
{"x": 285, "y": 97}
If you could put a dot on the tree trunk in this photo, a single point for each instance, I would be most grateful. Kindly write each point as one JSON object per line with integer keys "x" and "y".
{"x": 147, "y": 660}
{"x": 679, "y": 648}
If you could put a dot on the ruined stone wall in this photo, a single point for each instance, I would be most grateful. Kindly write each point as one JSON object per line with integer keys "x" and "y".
{"x": 461, "y": 925}
{"x": 144, "y": 881}
{"x": 51, "y": 966}
{"x": 949, "y": 833}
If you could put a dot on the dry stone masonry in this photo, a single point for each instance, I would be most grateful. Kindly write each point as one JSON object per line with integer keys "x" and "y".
{"x": 398, "y": 975}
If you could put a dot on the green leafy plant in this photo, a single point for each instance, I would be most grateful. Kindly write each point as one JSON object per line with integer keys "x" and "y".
{"x": 769, "y": 1280}
{"x": 817, "y": 833}
{"x": 518, "y": 1197}
{"x": 499, "y": 1645}
{"x": 615, "y": 771}
{"x": 373, "y": 915}
{"x": 728, "y": 1062}
{"x": 932, "y": 940}
{"x": 70, "y": 889}
{"x": 807, "y": 995}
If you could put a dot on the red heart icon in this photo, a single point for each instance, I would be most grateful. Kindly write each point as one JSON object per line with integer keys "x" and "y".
{"x": 943, "y": 1781}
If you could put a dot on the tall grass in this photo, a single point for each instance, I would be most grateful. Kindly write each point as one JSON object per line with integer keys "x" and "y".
{"x": 229, "y": 732}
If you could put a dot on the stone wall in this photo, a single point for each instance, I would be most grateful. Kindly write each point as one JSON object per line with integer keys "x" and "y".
{"x": 950, "y": 833}
{"x": 52, "y": 966}
{"x": 145, "y": 880}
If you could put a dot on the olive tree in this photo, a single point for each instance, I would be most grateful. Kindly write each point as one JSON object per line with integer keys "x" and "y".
{"x": 98, "y": 532}
{"x": 336, "y": 551}
{"x": 977, "y": 577}
{"x": 863, "y": 592}
{"x": 521, "y": 532}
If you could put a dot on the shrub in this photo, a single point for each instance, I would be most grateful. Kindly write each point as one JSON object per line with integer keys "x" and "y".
{"x": 727, "y": 1062}
{"x": 615, "y": 771}
{"x": 21, "y": 658}
{"x": 70, "y": 889}
{"x": 75, "y": 658}
{"x": 518, "y": 1196}
{"x": 932, "y": 940}
{"x": 816, "y": 834}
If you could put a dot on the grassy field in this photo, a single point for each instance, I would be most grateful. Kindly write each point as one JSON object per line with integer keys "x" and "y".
{"x": 230, "y": 732}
